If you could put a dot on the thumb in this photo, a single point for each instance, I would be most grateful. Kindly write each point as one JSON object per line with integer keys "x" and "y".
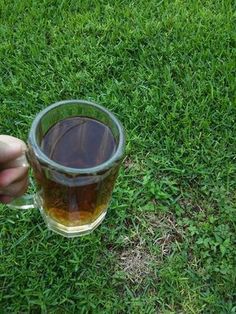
{"x": 10, "y": 148}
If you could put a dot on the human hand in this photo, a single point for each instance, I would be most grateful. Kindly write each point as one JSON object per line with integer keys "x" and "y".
{"x": 13, "y": 168}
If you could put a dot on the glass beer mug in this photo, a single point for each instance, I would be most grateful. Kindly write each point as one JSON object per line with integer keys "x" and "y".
{"x": 75, "y": 148}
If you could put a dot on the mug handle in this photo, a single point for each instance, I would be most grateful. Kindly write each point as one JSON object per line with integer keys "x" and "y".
{"x": 25, "y": 201}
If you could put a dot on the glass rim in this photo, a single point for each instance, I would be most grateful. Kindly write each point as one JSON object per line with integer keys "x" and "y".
{"x": 45, "y": 160}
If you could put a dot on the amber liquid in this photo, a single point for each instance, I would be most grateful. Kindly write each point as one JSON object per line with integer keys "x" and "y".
{"x": 78, "y": 142}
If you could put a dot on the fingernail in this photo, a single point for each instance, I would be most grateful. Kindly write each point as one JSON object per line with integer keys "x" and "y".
{"x": 21, "y": 162}
{"x": 17, "y": 147}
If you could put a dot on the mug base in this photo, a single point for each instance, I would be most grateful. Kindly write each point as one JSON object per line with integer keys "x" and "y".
{"x": 71, "y": 232}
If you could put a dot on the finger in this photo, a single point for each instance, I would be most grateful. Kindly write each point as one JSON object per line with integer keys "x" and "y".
{"x": 10, "y": 148}
{"x": 9, "y": 176}
{"x": 18, "y": 162}
{"x": 16, "y": 189}
{"x": 6, "y": 199}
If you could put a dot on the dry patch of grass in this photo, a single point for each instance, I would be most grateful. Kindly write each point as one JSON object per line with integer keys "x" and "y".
{"x": 136, "y": 263}
{"x": 136, "y": 259}
{"x": 165, "y": 232}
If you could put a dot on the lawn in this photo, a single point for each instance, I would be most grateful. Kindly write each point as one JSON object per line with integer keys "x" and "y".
{"x": 167, "y": 70}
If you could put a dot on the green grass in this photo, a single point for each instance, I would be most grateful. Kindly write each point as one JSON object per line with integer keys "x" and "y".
{"x": 166, "y": 68}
